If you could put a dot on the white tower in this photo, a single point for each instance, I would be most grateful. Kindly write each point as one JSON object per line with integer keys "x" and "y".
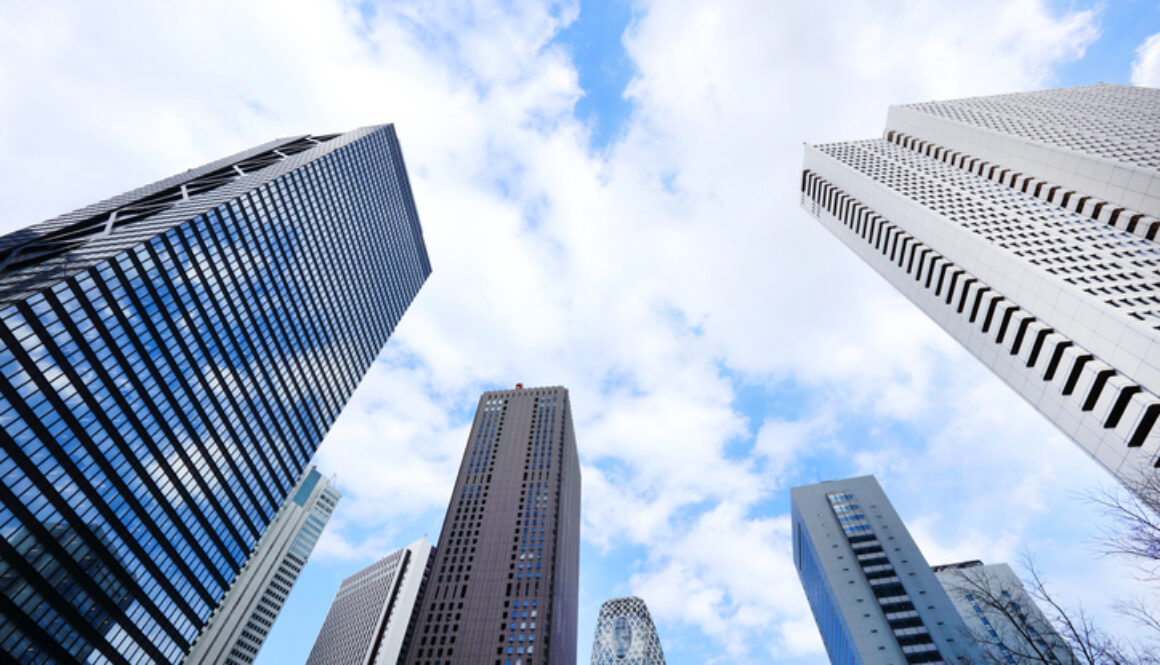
{"x": 1024, "y": 225}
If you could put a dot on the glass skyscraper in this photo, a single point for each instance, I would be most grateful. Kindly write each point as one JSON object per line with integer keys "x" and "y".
{"x": 170, "y": 360}
{"x": 625, "y": 635}
{"x": 504, "y": 585}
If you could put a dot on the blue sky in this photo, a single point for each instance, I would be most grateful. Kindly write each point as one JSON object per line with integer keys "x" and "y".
{"x": 608, "y": 193}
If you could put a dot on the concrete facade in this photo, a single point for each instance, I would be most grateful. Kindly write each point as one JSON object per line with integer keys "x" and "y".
{"x": 368, "y": 621}
{"x": 235, "y": 632}
{"x": 1001, "y": 615}
{"x": 873, "y": 595}
{"x": 1056, "y": 290}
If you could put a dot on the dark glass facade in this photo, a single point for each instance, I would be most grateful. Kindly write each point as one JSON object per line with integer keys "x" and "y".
{"x": 170, "y": 359}
{"x": 504, "y": 585}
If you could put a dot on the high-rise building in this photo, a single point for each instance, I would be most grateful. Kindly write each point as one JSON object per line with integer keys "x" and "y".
{"x": 236, "y": 630}
{"x": 170, "y": 360}
{"x": 503, "y": 588}
{"x": 1001, "y": 616}
{"x": 1025, "y": 225}
{"x": 874, "y": 598}
{"x": 368, "y": 621}
{"x": 625, "y": 635}
{"x": 70, "y": 579}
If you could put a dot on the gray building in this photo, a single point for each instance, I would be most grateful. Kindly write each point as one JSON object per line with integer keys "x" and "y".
{"x": 1026, "y": 226}
{"x": 625, "y": 634}
{"x": 1000, "y": 615}
{"x": 873, "y": 595}
{"x": 503, "y": 588}
{"x": 369, "y": 619}
{"x": 236, "y": 630}
{"x": 170, "y": 360}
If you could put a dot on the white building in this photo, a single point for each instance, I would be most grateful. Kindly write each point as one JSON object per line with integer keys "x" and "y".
{"x": 1024, "y": 225}
{"x": 1001, "y": 615}
{"x": 625, "y": 635}
{"x": 369, "y": 619}
{"x": 873, "y": 595}
{"x": 236, "y": 630}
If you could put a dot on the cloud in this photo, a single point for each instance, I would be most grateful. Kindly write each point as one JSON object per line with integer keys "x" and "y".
{"x": 654, "y": 278}
{"x": 1146, "y": 66}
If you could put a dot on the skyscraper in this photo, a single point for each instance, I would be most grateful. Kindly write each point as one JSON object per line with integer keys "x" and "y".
{"x": 1024, "y": 225}
{"x": 504, "y": 584}
{"x": 368, "y": 621}
{"x": 236, "y": 630}
{"x": 1001, "y": 615}
{"x": 86, "y": 570}
{"x": 874, "y": 598}
{"x": 170, "y": 360}
{"x": 625, "y": 635}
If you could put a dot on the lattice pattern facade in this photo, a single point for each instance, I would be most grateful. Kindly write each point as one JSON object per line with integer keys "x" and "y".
{"x": 1057, "y": 291}
{"x": 368, "y": 621}
{"x": 625, "y": 635}
{"x": 1100, "y": 140}
{"x": 170, "y": 359}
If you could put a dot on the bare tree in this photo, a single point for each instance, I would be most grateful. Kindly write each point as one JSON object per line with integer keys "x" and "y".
{"x": 1133, "y": 532}
{"x": 1134, "y": 523}
{"x": 1027, "y": 624}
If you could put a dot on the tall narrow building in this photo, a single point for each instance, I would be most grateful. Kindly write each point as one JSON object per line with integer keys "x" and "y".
{"x": 369, "y": 619}
{"x": 625, "y": 635}
{"x": 236, "y": 630}
{"x": 874, "y": 598}
{"x": 170, "y": 359}
{"x": 1025, "y": 225}
{"x": 503, "y": 588}
{"x": 1001, "y": 615}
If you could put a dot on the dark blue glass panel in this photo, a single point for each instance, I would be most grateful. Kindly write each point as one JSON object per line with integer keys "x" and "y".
{"x": 160, "y": 394}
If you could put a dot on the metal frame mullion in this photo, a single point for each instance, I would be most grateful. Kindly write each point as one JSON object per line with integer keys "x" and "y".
{"x": 76, "y": 573}
{"x": 289, "y": 387}
{"x": 139, "y": 385}
{"x": 264, "y": 384}
{"x": 217, "y": 339}
{"x": 325, "y": 376}
{"x": 69, "y": 466}
{"x": 107, "y": 337}
{"x": 166, "y": 352}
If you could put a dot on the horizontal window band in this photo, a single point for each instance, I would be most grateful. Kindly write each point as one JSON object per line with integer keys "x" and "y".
{"x": 987, "y": 170}
{"x": 888, "y": 239}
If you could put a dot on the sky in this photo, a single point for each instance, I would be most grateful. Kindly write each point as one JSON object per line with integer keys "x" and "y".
{"x": 608, "y": 192}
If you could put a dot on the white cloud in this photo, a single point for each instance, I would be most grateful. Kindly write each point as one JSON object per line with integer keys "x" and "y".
{"x": 1146, "y": 66}
{"x": 554, "y": 264}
